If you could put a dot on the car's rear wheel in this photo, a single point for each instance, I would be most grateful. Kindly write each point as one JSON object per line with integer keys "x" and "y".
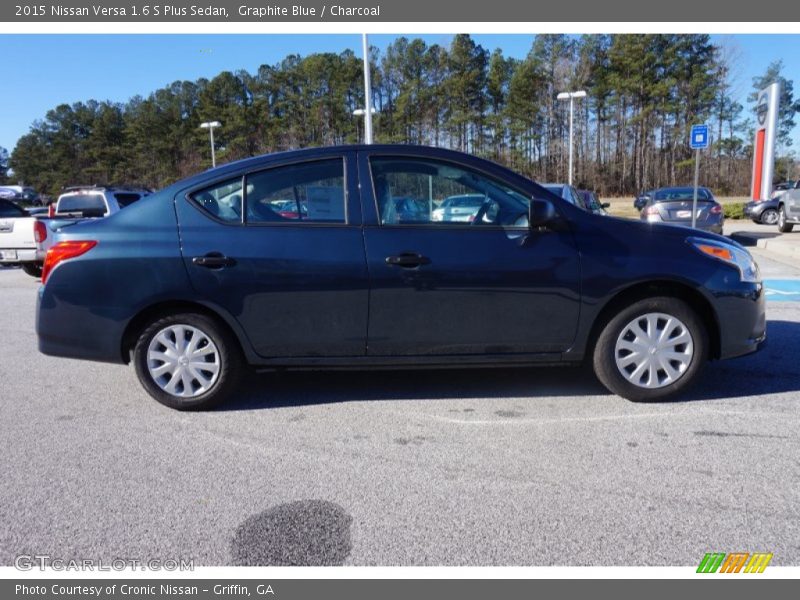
{"x": 783, "y": 225}
{"x": 769, "y": 216}
{"x": 33, "y": 269}
{"x": 188, "y": 361}
{"x": 653, "y": 349}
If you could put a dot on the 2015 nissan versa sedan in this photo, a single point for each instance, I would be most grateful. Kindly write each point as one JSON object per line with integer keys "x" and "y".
{"x": 207, "y": 276}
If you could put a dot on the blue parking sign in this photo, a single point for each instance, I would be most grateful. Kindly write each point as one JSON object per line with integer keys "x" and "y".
{"x": 699, "y": 137}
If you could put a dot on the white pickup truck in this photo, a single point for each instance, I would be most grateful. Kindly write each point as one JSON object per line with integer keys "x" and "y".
{"x": 79, "y": 204}
{"x": 17, "y": 242}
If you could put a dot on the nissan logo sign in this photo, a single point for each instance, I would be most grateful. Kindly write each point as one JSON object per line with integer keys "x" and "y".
{"x": 762, "y": 108}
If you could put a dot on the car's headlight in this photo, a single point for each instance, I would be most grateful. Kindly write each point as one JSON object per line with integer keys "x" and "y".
{"x": 728, "y": 253}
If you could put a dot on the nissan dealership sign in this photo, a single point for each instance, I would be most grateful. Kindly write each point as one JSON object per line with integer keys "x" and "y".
{"x": 764, "y": 143}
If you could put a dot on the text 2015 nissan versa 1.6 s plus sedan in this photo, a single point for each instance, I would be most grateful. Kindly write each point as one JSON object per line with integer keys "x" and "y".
{"x": 300, "y": 260}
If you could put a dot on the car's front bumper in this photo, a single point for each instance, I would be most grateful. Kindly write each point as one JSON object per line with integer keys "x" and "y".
{"x": 741, "y": 316}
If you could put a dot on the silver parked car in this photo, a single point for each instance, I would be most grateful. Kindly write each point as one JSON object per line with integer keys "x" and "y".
{"x": 673, "y": 205}
{"x": 789, "y": 208}
{"x": 459, "y": 209}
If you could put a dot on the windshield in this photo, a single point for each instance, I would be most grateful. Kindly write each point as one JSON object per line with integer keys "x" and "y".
{"x": 681, "y": 194}
{"x": 82, "y": 202}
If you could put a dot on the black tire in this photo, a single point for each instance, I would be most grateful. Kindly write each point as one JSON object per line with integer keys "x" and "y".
{"x": 783, "y": 226}
{"x": 231, "y": 362}
{"x": 33, "y": 269}
{"x": 604, "y": 360}
{"x": 769, "y": 216}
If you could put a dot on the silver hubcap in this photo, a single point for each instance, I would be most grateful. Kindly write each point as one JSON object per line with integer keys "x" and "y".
{"x": 770, "y": 217}
{"x": 183, "y": 361}
{"x": 781, "y": 219}
{"x": 654, "y": 350}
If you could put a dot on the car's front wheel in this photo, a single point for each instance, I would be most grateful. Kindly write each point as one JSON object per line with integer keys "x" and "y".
{"x": 769, "y": 216}
{"x": 783, "y": 225}
{"x": 188, "y": 361}
{"x": 653, "y": 349}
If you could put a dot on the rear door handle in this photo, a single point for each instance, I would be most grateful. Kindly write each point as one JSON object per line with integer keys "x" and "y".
{"x": 213, "y": 260}
{"x": 408, "y": 260}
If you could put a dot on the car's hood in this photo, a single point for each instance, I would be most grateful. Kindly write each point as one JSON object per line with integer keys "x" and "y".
{"x": 665, "y": 229}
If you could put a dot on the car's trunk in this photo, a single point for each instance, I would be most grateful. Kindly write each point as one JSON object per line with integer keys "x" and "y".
{"x": 681, "y": 210}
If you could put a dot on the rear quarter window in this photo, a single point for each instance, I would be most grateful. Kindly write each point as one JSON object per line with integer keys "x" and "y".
{"x": 126, "y": 198}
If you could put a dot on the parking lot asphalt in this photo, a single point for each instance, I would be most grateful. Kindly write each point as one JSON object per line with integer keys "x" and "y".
{"x": 458, "y": 467}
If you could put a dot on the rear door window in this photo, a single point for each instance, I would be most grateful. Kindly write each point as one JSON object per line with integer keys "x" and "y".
{"x": 307, "y": 192}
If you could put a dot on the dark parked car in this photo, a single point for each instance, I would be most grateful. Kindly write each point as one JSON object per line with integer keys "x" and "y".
{"x": 764, "y": 212}
{"x": 673, "y": 205}
{"x": 17, "y": 193}
{"x": 192, "y": 295}
{"x": 592, "y": 203}
{"x": 642, "y": 199}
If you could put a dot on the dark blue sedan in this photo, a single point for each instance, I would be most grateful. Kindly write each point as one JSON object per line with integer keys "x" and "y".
{"x": 211, "y": 275}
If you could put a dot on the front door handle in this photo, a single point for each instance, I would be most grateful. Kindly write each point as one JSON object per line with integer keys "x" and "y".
{"x": 408, "y": 260}
{"x": 213, "y": 260}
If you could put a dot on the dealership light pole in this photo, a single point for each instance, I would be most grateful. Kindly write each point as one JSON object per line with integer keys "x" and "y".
{"x": 571, "y": 97}
{"x": 368, "y": 110}
{"x": 360, "y": 112}
{"x": 210, "y": 126}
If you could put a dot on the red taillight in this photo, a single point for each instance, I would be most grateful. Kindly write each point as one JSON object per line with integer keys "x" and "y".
{"x": 39, "y": 232}
{"x": 716, "y": 209}
{"x": 51, "y": 210}
{"x": 64, "y": 251}
{"x": 650, "y": 210}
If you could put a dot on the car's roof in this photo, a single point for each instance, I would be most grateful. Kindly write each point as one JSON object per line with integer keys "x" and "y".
{"x": 413, "y": 151}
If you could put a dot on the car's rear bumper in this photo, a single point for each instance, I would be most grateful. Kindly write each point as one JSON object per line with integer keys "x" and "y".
{"x": 74, "y": 331}
{"x": 23, "y": 255}
{"x": 713, "y": 227}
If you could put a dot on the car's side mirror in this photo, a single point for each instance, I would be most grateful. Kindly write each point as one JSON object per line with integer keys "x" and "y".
{"x": 541, "y": 213}
{"x": 605, "y": 205}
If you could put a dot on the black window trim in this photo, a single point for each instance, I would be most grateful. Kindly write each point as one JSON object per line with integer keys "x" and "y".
{"x": 243, "y": 222}
{"x": 189, "y": 197}
{"x": 431, "y": 225}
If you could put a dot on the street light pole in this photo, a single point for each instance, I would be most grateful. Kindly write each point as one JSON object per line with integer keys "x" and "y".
{"x": 367, "y": 91}
{"x": 571, "y": 96}
{"x": 360, "y": 112}
{"x": 210, "y": 126}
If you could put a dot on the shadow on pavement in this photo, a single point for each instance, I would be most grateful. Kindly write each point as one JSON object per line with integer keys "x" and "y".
{"x": 771, "y": 371}
{"x": 750, "y": 238}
